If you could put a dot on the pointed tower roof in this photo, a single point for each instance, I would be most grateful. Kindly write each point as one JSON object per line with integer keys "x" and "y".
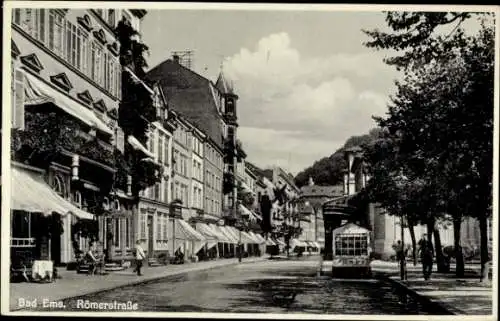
{"x": 224, "y": 84}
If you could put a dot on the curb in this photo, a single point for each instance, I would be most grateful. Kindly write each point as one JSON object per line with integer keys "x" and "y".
{"x": 433, "y": 305}
{"x": 145, "y": 281}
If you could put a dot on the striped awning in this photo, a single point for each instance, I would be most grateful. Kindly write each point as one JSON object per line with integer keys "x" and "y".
{"x": 270, "y": 242}
{"x": 30, "y": 193}
{"x": 207, "y": 232}
{"x": 225, "y": 229}
{"x": 297, "y": 243}
{"x": 257, "y": 237}
{"x": 221, "y": 236}
{"x": 188, "y": 232}
{"x": 38, "y": 92}
{"x": 247, "y": 238}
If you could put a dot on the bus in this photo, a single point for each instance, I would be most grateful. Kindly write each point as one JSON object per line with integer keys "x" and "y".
{"x": 351, "y": 251}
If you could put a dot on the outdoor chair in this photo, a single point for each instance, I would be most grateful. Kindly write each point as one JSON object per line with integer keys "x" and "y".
{"x": 21, "y": 268}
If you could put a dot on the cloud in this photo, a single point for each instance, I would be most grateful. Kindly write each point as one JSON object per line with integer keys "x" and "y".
{"x": 306, "y": 103}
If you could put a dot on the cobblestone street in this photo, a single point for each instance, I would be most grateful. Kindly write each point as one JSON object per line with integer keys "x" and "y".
{"x": 280, "y": 286}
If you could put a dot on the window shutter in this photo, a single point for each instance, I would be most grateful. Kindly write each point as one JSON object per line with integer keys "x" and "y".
{"x": 18, "y": 112}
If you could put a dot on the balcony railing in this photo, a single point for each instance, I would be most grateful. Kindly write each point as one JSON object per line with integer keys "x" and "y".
{"x": 22, "y": 242}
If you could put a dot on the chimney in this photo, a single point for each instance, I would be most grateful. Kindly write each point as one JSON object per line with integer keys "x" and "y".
{"x": 175, "y": 58}
{"x": 311, "y": 182}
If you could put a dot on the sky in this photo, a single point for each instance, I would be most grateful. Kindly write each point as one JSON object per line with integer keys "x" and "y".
{"x": 304, "y": 79}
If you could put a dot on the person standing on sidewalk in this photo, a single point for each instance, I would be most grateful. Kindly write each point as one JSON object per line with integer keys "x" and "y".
{"x": 139, "y": 257}
{"x": 426, "y": 256}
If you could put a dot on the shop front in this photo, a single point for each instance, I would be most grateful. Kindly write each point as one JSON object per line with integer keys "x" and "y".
{"x": 40, "y": 219}
{"x": 151, "y": 228}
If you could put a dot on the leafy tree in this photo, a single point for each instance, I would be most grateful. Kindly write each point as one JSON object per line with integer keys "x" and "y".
{"x": 443, "y": 114}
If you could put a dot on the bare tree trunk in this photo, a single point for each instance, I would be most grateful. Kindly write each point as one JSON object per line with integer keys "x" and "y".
{"x": 411, "y": 228}
{"x": 441, "y": 266}
{"x": 459, "y": 257}
{"x": 483, "y": 229}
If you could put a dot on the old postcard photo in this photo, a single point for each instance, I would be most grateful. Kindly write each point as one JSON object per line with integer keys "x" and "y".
{"x": 249, "y": 160}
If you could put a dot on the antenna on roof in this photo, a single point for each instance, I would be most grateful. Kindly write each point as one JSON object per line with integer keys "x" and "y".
{"x": 184, "y": 57}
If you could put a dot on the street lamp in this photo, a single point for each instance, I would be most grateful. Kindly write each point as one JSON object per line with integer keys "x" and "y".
{"x": 240, "y": 225}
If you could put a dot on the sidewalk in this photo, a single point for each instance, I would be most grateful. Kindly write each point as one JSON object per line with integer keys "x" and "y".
{"x": 72, "y": 284}
{"x": 465, "y": 295}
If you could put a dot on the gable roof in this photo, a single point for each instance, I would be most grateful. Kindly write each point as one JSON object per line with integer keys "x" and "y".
{"x": 191, "y": 96}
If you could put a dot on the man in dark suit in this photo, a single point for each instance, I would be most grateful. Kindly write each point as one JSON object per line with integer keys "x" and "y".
{"x": 426, "y": 256}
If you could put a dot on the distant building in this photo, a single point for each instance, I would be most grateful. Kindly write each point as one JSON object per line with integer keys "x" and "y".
{"x": 312, "y": 198}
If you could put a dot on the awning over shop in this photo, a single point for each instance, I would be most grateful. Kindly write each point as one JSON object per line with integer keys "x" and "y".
{"x": 297, "y": 243}
{"x": 252, "y": 216}
{"x": 270, "y": 242}
{"x": 245, "y": 187}
{"x": 220, "y": 235}
{"x": 38, "y": 92}
{"x": 212, "y": 234}
{"x": 247, "y": 238}
{"x": 280, "y": 242}
{"x": 257, "y": 238}
{"x": 207, "y": 232}
{"x": 30, "y": 193}
{"x": 225, "y": 229}
{"x": 138, "y": 146}
{"x": 188, "y": 232}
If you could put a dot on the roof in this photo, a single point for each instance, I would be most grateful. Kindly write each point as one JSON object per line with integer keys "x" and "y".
{"x": 190, "y": 95}
{"x": 350, "y": 228}
{"x": 316, "y": 190}
{"x": 224, "y": 85}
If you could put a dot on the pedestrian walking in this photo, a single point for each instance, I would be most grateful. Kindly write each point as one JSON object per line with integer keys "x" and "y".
{"x": 139, "y": 257}
{"x": 426, "y": 256}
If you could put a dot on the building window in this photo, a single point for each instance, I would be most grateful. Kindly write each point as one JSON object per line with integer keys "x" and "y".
{"x": 21, "y": 225}
{"x": 165, "y": 190}
{"x": 111, "y": 17}
{"x": 128, "y": 230}
{"x": 164, "y": 223}
{"x": 117, "y": 232}
{"x": 56, "y": 32}
{"x": 157, "y": 190}
{"x": 70, "y": 44}
{"x": 158, "y": 227}
{"x": 160, "y": 148}
{"x": 143, "y": 226}
{"x": 83, "y": 49}
{"x": 97, "y": 63}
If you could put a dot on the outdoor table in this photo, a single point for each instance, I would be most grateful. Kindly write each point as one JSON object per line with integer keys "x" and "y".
{"x": 42, "y": 269}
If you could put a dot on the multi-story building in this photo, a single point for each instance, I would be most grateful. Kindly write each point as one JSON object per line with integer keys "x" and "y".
{"x": 198, "y": 100}
{"x": 153, "y": 219}
{"x": 284, "y": 181}
{"x": 65, "y": 64}
{"x": 197, "y": 172}
{"x": 312, "y": 198}
{"x": 181, "y": 154}
{"x": 213, "y": 164}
